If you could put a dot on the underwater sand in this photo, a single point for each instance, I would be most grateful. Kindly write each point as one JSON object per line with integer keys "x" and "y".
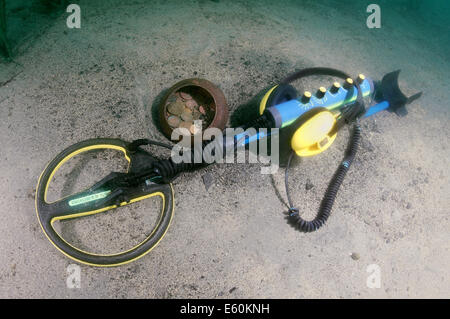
{"x": 233, "y": 241}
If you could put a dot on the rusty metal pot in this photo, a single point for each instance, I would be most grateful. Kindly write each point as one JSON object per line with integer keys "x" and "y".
{"x": 202, "y": 91}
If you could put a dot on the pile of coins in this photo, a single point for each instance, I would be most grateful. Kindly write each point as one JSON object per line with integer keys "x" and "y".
{"x": 183, "y": 110}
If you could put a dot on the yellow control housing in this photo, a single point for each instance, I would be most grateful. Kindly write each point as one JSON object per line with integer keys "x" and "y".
{"x": 262, "y": 104}
{"x": 315, "y": 135}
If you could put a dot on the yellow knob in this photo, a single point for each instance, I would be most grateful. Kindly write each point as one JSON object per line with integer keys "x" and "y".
{"x": 348, "y": 83}
{"x": 361, "y": 78}
{"x": 306, "y": 97}
{"x": 335, "y": 87}
{"x": 321, "y": 92}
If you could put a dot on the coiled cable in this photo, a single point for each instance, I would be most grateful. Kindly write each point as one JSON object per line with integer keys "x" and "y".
{"x": 330, "y": 195}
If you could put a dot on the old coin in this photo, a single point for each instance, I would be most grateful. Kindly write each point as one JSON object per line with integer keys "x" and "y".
{"x": 176, "y": 107}
{"x": 191, "y": 104}
{"x": 185, "y": 96}
{"x": 173, "y": 121}
{"x": 187, "y": 115}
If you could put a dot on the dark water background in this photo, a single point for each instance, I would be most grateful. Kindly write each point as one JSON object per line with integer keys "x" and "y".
{"x": 26, "y": 18}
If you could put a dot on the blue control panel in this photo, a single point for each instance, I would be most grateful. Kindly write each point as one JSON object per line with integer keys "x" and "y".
{"x": 289, "y": 111}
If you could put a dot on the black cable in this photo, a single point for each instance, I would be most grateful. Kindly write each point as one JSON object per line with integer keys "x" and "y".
{"x": 286, "y": 176}
{"x": 169, "y": 170}
{"x": 330, "y": 195}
